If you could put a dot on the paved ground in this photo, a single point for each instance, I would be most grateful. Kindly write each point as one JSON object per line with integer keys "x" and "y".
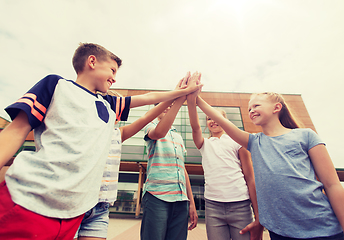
{"x": 128, "y": 228}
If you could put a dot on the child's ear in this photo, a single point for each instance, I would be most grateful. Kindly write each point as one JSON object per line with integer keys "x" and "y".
{"x": 278, "y": 107}
{"x": 91, "y": 60}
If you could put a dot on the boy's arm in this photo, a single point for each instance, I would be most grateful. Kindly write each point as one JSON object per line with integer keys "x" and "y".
{"x": 131, "y": 129}
{"x": 13, "y": 137}
{"x": 241, "y": 137}
{"x": 156, "y": 97}
{"x": 194, "y": 120}
{"x": 192, "y": 208}
{"x": 166, "y": 122}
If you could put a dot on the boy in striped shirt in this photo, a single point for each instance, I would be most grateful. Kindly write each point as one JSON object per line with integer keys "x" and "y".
{"x": 167, "y": 196}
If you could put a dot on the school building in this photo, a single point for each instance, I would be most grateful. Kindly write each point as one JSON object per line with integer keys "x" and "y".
{"x": 134, "y": 156}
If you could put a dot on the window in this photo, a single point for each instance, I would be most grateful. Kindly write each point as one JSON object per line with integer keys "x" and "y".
{"x": 134, "y": 148}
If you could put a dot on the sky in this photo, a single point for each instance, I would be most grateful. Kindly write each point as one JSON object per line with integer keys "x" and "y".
{"x": 284, "y": 46}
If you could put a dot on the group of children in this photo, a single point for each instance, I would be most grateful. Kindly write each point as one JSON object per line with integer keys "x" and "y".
{"x": 64, "y": 189}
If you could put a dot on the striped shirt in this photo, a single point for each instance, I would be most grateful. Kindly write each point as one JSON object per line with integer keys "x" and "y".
{"x": 109, "y": 186}
{"x": 165, "y": 169}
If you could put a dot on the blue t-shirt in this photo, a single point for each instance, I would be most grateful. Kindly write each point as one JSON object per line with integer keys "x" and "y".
{"x": 291, "y": 201}
{"x": 72, "y": 129}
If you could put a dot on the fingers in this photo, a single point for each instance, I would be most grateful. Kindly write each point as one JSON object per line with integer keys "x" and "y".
{"x": 193, "y": 219}
{"x": 191, "y": 226}
{"x": 245, "y": 230}
{"x": 199, "y": 79}
{"x": 183, "y": 82}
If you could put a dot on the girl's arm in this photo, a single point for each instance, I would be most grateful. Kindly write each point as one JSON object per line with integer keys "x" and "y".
{"x": 13, "y": 136}
{"x": 327, "y": 174}
{"x": 192, "y": 207}
{"x": 194, "y": 121}
{"x": 130, "y": 130}
{"x": 255, "y": 228}
{"x": 241, "y": 137}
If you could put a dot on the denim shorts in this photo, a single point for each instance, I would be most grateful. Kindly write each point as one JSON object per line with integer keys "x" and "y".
{"x": 95, "y": 222}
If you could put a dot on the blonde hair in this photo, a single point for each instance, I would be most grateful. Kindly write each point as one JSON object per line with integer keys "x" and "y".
{"x": 223, "y": 112}
{"x": 285, "y": 116}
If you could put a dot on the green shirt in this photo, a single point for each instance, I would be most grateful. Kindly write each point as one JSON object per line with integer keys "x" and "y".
{"x": 165, "y": 169}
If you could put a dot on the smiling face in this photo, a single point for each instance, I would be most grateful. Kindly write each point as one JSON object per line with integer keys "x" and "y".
{"x": 260, "y": 109}
{"x": 213, "y": 127}
{"x": 105, "y": 72}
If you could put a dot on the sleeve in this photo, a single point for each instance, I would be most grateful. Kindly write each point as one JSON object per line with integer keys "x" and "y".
{"x": 36, "y": 101}
{"x": 120, "y": 105}
{"x": 236, "y": 145}
{"x": 313, "y": 139}
{"x": 251, "y": 139}
{"x": 147, "y": 129}
{"x": 202, "y": 149}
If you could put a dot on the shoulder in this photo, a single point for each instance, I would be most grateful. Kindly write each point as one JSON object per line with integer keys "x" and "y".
{"x": 255, "y": 136}
{"x": 304, "y": 132}
{"x": 308, "y": 136}
{"x": 48, "y": 81}
{"x": 253, "y": 140}
{"x": 231, "y": 143}
{"x": 52, "y": 78}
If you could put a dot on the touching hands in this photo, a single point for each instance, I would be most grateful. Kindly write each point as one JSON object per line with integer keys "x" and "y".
{"x": 183, "y": 83}
{"x": 192, "y": 83}
{"x": 195, "y": 79}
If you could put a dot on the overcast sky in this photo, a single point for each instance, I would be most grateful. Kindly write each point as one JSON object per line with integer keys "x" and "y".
{"x": 290, "y": 47}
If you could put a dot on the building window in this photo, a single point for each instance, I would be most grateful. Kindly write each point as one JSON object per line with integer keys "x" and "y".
{"x": 134, "y": 148}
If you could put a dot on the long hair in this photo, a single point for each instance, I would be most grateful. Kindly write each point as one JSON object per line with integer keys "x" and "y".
{"x": 223, "y": 112}
{"x": 285, "y": 116}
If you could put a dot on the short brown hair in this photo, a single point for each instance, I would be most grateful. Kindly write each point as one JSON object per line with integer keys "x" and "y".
{"x": 86, "y": 49}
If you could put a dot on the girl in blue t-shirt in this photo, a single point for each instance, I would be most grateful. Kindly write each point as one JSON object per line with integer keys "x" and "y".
{"x": 287, "y": 161}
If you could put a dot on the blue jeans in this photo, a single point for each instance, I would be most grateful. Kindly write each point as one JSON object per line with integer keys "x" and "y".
{"x": 224, "y": 220}
{"x": 95, "y": 222}
{"x": 274, "y": 236}
{"x": 164, "y": 220}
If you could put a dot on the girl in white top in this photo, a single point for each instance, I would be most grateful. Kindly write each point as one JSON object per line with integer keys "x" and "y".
{"x": 229, "y": 182}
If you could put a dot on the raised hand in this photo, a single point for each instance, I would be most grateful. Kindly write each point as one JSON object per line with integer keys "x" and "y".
{"x": 195, "y": 79}
{"x": 194, "y": 82}
{"x": 182, "y": 84}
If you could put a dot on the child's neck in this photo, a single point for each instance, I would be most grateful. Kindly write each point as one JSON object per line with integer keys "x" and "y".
{"x": 217, "y": 134}
{"x": 274, "y": 129}
{"x": 83, "y": 80}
